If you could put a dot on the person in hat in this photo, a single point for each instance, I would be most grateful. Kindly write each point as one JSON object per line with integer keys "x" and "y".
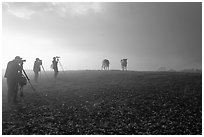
{"x": 55, "y": 67}
{"x": 13, "y": 74}
{"x": 36, "y": 68}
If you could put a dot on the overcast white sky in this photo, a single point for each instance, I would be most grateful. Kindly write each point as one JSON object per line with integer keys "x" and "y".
{"x": 150, "y": 35}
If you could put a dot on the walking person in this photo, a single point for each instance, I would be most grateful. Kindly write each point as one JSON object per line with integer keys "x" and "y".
{"x": 36, "y": 68}
{"x": 55, "y": 67}
{"x": 13, "y": 74}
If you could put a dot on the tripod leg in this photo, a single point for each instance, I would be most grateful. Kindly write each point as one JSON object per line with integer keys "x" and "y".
{"x": 28, "y": 80}
{"x": 61, "y": 66}
{"x": 44, "y": 71}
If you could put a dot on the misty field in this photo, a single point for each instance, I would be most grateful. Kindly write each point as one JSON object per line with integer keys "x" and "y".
{"x": 107, "y": 102}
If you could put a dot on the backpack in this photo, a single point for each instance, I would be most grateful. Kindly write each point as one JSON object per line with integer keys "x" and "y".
{"x": 22, "y": 80}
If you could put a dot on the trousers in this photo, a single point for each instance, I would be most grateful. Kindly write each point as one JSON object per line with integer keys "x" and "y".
{"x": 36, "y": 76}
{"x": 12, "y": 90}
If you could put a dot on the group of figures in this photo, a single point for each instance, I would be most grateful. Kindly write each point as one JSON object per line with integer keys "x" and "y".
{"x": 17, "y": 78}
{"x": 38, "y": 64}
{"x": 106, "y": 63}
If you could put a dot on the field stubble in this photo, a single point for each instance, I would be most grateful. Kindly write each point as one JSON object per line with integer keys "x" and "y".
{"x": 108, "y": 102}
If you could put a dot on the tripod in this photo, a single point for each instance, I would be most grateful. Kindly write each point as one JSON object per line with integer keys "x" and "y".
{"x": 28, "y": 80}
{"x": 44, "y": 71}
{"x": 38, "y": 93}
{"x": 61, "y": 65}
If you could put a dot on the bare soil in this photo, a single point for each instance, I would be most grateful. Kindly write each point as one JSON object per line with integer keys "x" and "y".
{"x": 107, "y": 102}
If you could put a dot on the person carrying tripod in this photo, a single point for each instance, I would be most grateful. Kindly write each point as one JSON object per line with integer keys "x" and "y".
{"x": 13, "y": 74}
{"x": 55, "y": 67}
{"x": 36, "y": 68}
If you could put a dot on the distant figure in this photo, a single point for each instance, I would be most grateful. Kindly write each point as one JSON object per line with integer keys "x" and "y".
{"x": 105, "y": 64}
{"x": 123, "y": 64}
{"x": 55, "y": 67}
{"x": 13, "y": 74}
{"x": 36, "y": 68}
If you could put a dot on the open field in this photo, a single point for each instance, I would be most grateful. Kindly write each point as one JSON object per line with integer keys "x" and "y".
{"x": 108, "y": 102}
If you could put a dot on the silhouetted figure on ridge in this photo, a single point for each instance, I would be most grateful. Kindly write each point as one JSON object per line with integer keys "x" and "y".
{"x": 55, "y": 67}
{"x": 105, "y": 64}
{"x": 123, "y": 64}
{"x": 36, "y": 68}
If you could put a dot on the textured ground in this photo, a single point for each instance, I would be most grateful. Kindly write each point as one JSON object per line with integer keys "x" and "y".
{"x": 108, "y": 102}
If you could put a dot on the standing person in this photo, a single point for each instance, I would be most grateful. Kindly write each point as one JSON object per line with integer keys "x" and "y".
{"x": 36, "y": 68}
{"x": 13, "y": 74}
{"x": 55, "y": 67}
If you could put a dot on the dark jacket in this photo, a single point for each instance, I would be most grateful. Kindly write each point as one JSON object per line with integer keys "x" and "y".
{"x": 13, "y": 70}
{"x": 55, "y": 67}
{"x": 36, "y": 67}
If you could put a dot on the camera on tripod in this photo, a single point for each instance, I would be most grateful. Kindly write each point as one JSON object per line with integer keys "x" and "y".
{"x": 38, "y": 60}
{"x": 57, "y": 57}
{"x": 22, "y": 61}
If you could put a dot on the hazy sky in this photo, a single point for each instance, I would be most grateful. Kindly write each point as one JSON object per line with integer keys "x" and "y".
{"x": 149, "y": 35}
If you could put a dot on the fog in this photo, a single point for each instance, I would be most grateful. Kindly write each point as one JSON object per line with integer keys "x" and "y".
{"x": 149, "y": 35}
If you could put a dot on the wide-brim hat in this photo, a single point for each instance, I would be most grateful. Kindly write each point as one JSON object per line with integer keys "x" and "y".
{"x": 18, "y": 58}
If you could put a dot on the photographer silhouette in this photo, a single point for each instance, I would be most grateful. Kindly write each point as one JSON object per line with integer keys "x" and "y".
{"x": 55, "y": 67}
{"x": 13, "y": 74}
{"x": 36, "y": 68}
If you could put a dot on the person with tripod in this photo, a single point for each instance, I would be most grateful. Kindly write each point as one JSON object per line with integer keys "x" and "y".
{"x": 36, "y": 68}
{"x": 13, "y": 74}
{"x": 55, "y": 67}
